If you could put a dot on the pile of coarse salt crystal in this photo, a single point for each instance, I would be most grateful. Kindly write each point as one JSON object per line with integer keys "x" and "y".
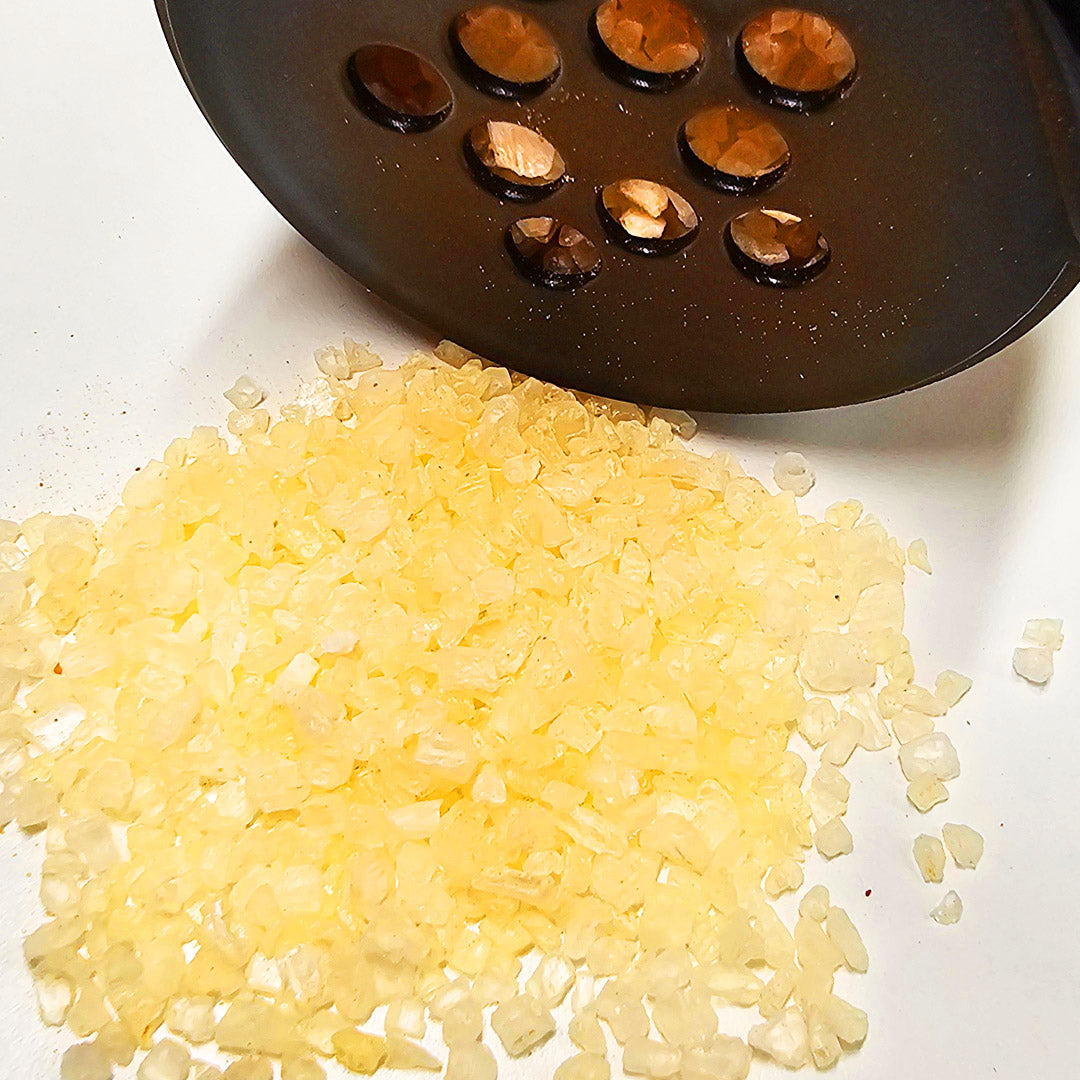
{"x": 444, "y": 669}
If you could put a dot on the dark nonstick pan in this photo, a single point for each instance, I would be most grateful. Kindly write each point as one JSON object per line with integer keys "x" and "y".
{"x": 946, "y": 180}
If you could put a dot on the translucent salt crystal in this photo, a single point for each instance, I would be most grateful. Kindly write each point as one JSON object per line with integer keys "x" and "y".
{"x": 405, "y": 1016}
{"x": 844, "y": 935}
{"x": 949, "y": 910}
{"x": 817, "y": 721}
{"x": 909, "y": 725}
{"x": 318, "y": 1031}
{"x": 302, "y": 1069}
{"x": 827, "y": 794}
{"x": 814, "y": 948}
{"x": 965, "y": 845}
{"x": 926, "y": 792}
{"x": 950, "y": 687}
{"x": 35, "y": 803}
{"x": 551, "y": 981}
{"x": 250, "y": 1067}
{"x": 931, "y": 756}
{"x": 878, "y": 609}
{"x": 360, "y": 356}
{"x": 85, "y": 1061}
{"x": 833, "y": 839}
{"x": 54, "y": 997}
{"x": 930, "y": 858}
{"x": 449, "y": 997}
{"x": 358, "y": 1051}
{"x": 682, "y": 423}
{"x": 784, "y": 1039}
{"x": 832, "y": 662}
{"x": 586, "y": 1033}
{"x": 205, "y": 1070}
{"x": 1044, "y": 632}
{"x": 785, "y": 877}
{"x": 647, "y": 1057}
{"x": 792, "y": 472}
{"x": 241, "y": 422}
{"x": 667, "y": 971}
{"x": 1035, "y": 663}
{"x": 167, "y": 1060}
{"x": 403, "y": 1054}
{"x": 419, "y": 819}
{"x": 488, "y": 787}
{"x": 333, "y": 363}
{"x": 264, "y": 975}
{"x": 584, "y": 1067}
{"x": 471, "y": 1061}
{"x": 824, "y": 1044}
{"x": 463, "y": 1023}
{"x": 583, "y": 993}
{"x": 521, "y": 1024}
{"x": 815, "y": 903}
{"x": 727, "y": 1059}
{"x": 245, "y": 393}
{"x": 116, "y": 1042}
{"x": 919, "y": 557}
{"x": 848, "y": 1022}
{"x": 844, "y": 738}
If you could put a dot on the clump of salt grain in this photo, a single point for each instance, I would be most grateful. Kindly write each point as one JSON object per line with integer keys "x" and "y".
{"x": 342, "y": 645}
{"x": 792, "y": 472}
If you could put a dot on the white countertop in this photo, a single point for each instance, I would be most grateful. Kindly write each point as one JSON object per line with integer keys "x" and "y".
{"x": 141, "y": 272}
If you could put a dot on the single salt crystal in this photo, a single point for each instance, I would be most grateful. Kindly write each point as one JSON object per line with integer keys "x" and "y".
{"x": 167, "y": 1060}
{"x": 242, "y": 422}
{"x": 360, "y": 357}
{"x": 586, "y": 1033}
{"x": 54, "y": 996}
{"x": 1035, "y": 663}
{"x": 584, "y": 1067}
{"x": 488, "y": 787}
{"x": 85, "y": 1061}
{"x": 245, "y": 393}
{"x": 926, "y": 792}
{"x": 727, "y": 1059}
{"x": 405, "y": 1016}
{"x": 205, "y": 1070}
{"x": 846, "y": 937}
{"x": 827, "y": 794}
{"x": 965, "y": 845}
{"x": 949, "y": 910}
{"x": 250, "y": 1067}
{"x": 464, "y": 1023}
{"x": 650, "y": 1058}
{"x": 930, "y": 755}
{"x": 471, "y": 1061}
{"x": 1045, "y": 632}
{"x": 116, "y": 1042}
{"x": 792, "y": 473}
{"x": 583, "y": 993}
{"x": 521, "y": 1024}
{"x": 950, "y": 687}
{"x": 785, "y": 1039}
{"x": 302, "y": 1069}
{"x": 908, "y": 725}
{"x": 263, "y": 975}
{"x": 449, "y": 997}
{"x": 551, "y": 981}
{"x": 403, "y": 1054}
{"x": 930, "y": 858}
{"x": 815, "y": 903}
{"x": 833, "y": 839}
{"x": 844, "y": 738}
{"x": 918, "y": 556}
{"x": 817, "y": 721}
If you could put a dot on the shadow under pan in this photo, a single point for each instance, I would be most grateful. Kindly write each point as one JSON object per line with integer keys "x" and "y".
{"x": 947, "y": 180}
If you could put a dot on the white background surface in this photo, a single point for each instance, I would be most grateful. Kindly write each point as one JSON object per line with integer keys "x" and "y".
{"x": 140, "y": 272}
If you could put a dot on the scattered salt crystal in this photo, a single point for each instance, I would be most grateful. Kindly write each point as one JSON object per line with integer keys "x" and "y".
{"x": 521, "y": 1024}
{"x": 403, "y": 1054}
{"x": 464, "y": 1023}
{"x": 551, "y": 981}
{"x": 930, "y": 858}
{"x": 54, "y": 997}
{"x": 833, "y": 839}
{"x": 930, "y": 755}
{"x": 949, "y": 910}
{"x": 908, "y": 725}
{"x": 85, "y": 1061}
{"x": 242, "y": 422}
{"x": 584, "y": 1067}
{"x": 965, "y": 845}
{"x": 192, "y": 1018}
{"x": 846, "y": 937}
{"x": 950, "y": 687}
{"x": 245, "y": 393}
{"x": 586, "y": 1033}
{"x": 926, "y": 792}
{"x": 302, "y": 1069}
{"x": 1045, "y": 632}
{"x": 471, "y": 1061}
{"x": 727, "y": 1059}
{"x": 792, "y": 473}
{"x": 1035, "y": 663}
{"x": 405, "y": 1016}
{"x": 815, "y": 903}
{"x": 918, "y": 556}
{"x": 682, "y": 423}
{"x": 650, "y": 1058}
{"x": 250, "y": 1067}
{"x": 167, "y": 1060}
